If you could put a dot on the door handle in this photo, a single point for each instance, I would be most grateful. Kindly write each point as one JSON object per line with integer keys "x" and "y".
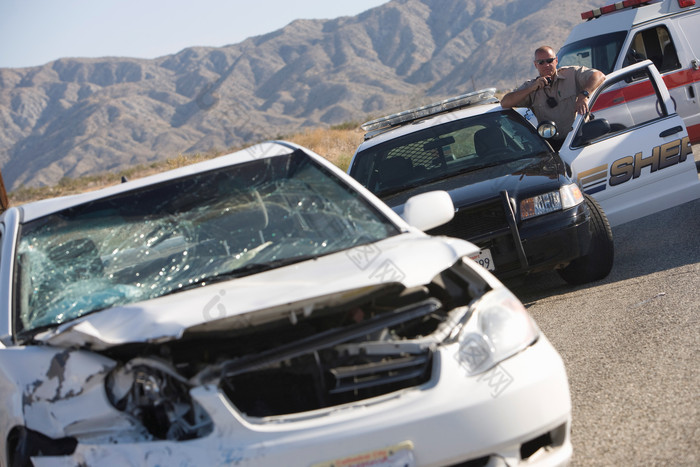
{"x": 671, "y": 131}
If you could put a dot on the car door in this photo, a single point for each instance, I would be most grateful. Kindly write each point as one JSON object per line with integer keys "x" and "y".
{"x": 632, "y": 153}
{"x": 666, "y": 44}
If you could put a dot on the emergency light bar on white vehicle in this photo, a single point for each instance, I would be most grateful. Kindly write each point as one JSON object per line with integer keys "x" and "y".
{"x": 477, "y": 97}
{"x": 595, "y": 13}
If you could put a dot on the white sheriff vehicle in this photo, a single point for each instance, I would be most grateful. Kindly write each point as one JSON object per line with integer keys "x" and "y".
{"x": 667, "y": 32}
{"x": 635, "y": 158}
{"x": 263, "y": 309}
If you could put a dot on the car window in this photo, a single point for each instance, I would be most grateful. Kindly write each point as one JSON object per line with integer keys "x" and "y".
{"x": 449, "y": 149}
{"x": 162, "y": 239}
{"x": 618, "y": 108}
{"x": 656, "y": 45}
{"x": 599, "y": 52}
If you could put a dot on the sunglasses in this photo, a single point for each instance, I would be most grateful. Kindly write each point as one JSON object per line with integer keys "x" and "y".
{"x": 545, "y": 60}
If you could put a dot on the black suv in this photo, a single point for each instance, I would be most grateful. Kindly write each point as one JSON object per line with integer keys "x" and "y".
{"x": 513, "y": 195}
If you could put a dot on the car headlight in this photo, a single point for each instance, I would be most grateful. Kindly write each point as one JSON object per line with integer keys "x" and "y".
{"x": 159, "y": 399}
{"x": 568, "y": 196}
{"x": 499, "y": 327}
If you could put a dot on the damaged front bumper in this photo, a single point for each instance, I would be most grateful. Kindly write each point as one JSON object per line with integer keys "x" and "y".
{"x": 447, "y": 372}
{"x": 511, "y": 412}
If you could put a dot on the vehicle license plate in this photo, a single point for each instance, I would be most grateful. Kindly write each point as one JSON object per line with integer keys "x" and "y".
{"x": 399, "y": 455}
{"x": 485, "y": 259}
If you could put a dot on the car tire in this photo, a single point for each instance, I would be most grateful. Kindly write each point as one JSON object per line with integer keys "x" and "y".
{"x": 597, "y": 263}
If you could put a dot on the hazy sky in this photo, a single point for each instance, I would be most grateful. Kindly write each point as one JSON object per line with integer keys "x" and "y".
{"x": 34, "y": 32}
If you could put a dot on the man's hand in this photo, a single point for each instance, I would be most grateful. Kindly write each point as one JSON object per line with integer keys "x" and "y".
{"x": 509, "y": 100}
{"x": 541, "y": 82}
{"x": 581, "y": 104}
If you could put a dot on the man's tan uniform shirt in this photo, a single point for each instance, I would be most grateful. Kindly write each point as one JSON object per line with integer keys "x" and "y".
{"x": 568, "y": 83}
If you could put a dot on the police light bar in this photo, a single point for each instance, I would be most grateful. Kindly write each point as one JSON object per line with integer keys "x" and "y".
{"x": 476, "y": 97}
{"x": 611, "y": 8}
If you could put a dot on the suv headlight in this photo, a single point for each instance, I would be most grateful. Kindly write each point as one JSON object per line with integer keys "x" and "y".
{"x": 568, "y": 196}
{"x": 499, "y": 327}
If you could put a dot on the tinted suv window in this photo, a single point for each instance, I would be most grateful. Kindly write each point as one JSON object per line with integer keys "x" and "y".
{"x": 442, "y": 151}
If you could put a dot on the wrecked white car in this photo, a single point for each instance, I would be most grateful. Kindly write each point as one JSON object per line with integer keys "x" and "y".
{"x": 262, "y": 308}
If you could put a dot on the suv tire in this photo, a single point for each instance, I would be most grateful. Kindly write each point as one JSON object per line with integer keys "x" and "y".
{"x": 597, "y": 263}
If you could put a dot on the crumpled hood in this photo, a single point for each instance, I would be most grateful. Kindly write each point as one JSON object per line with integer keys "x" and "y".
{"x": 410, "y": 259}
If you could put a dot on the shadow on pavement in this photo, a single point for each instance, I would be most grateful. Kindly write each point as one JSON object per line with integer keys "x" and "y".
{"x": 659, "y": 242}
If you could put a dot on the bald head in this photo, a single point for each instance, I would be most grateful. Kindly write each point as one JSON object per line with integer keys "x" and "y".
{"x": 546, "y": 50}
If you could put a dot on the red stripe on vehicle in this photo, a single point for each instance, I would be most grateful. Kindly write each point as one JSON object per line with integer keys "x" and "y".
{"x": 694, "y": 134}
{"x": 644, "y": 89}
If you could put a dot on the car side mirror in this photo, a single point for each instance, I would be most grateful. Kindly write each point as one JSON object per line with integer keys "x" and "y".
{"x": 429, "y": 210}
{"x": 547, "y": 129}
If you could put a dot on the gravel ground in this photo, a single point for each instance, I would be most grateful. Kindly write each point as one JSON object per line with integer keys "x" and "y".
{"x": 631, "y": 344}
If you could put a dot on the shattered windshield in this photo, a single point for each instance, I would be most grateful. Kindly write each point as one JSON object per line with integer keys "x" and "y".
{"x": 165, "y": 238}
{"x": 442, "y": 151}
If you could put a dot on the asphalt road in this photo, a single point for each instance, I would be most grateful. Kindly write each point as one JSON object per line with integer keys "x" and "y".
{"x": 631, "y": 344}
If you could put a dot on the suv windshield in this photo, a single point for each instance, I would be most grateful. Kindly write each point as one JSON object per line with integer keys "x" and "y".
{"x": 446, "y": 150}
{"x": 599, "y": 52}
{"x": 165, "y": 238}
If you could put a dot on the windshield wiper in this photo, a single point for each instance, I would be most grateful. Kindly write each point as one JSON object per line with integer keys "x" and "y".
{"x": 245, "y": 270}
{"x": 479, "y": 167}
{"x": 253, "y": 268}
{"x": 398, "y": 189}
{"x": 441, "y": 176}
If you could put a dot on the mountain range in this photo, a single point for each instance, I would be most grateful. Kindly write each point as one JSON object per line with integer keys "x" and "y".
{"x": 78, "y": 116}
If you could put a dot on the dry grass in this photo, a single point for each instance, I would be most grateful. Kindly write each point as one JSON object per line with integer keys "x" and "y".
{"x": 71, "y": 186}
{"x": 337, "y": 144}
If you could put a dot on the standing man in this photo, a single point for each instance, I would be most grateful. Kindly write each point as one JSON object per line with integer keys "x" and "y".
{"x": 555, "y": 95}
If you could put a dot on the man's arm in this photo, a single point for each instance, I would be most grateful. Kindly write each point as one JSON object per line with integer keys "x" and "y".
{"x": 592, "y": 83}
{"x": 512, "y": 98}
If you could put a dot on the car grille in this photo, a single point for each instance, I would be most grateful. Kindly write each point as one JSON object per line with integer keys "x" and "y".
{"x": 486, "y": 225}
{"x": 475, "y": 222}
{"x": 306, "y": 383}
{"x": 339, "y": 365}
{"x": 386, "y": 373}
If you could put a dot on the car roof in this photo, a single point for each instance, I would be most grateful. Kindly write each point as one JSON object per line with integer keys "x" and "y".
{"x": 428, "y": 122}
{"x": 37, "y": 209}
